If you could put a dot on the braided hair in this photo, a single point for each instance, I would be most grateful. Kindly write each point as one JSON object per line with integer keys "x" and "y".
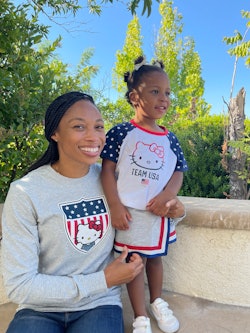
{"x": 141, "y": 68}
{"x": 53, "y": 116}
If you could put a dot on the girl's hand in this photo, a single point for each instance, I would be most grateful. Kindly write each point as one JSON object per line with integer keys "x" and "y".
{"x": 120, "y": 217}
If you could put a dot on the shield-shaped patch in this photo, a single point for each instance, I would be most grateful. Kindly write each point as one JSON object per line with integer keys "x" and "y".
{"x": 86, "y": 222}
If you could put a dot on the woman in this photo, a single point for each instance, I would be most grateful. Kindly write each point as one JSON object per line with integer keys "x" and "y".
{"x": 57, "y": 242}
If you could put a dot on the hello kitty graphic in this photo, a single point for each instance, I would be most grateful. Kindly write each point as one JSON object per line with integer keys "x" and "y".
{"x": 87, "y": 234}
{"x": 148, "y": 156}
{"x": 86, "y": 222}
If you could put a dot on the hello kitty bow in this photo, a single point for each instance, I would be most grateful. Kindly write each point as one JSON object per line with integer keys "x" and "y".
{"x": 95, "y": 225}
{"x": 158, "y": 150}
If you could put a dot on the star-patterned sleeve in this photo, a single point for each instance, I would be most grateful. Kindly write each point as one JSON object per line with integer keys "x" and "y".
{"x": 181, "y": 164}
{"x": 114, "y": 139}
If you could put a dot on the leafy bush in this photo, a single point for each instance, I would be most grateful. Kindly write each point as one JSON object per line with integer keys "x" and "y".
{"x": 201, "y": 140}
{"x": 17, "y": 152}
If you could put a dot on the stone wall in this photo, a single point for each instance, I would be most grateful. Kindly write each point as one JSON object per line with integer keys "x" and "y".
{"x": 211, "y": 258}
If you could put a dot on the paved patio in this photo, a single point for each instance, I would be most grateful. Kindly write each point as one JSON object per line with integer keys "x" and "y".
{"x": 195, "y": 315}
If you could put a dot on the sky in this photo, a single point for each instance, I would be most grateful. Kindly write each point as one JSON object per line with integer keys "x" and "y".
{"x": 207, "y": 22}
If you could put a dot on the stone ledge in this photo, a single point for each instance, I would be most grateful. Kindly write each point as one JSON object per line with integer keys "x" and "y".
{"x": 217, "y": 213}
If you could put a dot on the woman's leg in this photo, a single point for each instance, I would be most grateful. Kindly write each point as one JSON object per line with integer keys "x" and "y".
{"x": 154, "y": 271}
{"x": 106, "y": 318}
{"x": 29, "y": 321}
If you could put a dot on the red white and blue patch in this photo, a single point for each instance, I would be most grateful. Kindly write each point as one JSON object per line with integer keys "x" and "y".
{"x": 86, "y": 222}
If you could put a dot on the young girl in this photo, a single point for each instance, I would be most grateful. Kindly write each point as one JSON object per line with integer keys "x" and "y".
{"x": 57, "y": 241}
{"x": 142, "y": 172}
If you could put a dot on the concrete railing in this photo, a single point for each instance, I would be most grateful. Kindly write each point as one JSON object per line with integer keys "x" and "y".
{"x": 211, "y": 258}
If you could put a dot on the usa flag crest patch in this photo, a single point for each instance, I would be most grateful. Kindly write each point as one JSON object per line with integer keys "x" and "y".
{"x": 86, "y": 222}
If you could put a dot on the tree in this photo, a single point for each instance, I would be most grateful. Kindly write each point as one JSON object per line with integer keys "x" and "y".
{"x": 30, "y": 78}
{"x": 241, "y": 48}
{"x": 65, "y": 6}
{"x": 236, "y": 146}
{"x": 191, "y": 103}
{"x": 182, "y": 64}
{"x": 115, "y": 112}
{"x": 132, "y": 49}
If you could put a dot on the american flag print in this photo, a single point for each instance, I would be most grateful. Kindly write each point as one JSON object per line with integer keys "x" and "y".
{"x": 86, "y": 222}
{"x": 145, "y": 181}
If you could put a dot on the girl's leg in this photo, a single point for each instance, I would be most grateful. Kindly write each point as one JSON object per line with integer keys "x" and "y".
{"x": 136, "y": 292}
{"x": 154, "y": 271}
{"x": 167, "y": 322}
{"x": 106, "y": 318}
{"x": 29, "y": 321}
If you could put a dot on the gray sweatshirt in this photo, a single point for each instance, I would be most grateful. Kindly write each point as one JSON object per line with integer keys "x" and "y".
{"x": 57, "y": 239}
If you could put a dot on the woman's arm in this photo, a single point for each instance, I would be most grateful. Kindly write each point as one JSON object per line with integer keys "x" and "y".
{"x": 26, "y": 281}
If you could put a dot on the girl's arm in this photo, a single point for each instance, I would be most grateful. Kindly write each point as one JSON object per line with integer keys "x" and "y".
{"x": 174, "y": 185}
{"x": 119, "y": 214}
{"x": 157, "y": 205}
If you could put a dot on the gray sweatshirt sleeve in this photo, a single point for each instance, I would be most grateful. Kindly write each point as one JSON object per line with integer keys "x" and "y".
{"x": 23, "y": 279}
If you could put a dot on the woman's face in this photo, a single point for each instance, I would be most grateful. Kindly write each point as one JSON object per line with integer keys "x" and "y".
{"x": 80, "y": 135}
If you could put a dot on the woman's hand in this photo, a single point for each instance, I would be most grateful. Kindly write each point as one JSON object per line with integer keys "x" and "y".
{"x": 175, "y": 208}
{"x": 172, "y": 207}
{"x": 119, "y": 271}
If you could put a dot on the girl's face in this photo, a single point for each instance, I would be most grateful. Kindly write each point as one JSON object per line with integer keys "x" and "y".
{"x": 152, "y": 97}
{"x": 80, "y": 137}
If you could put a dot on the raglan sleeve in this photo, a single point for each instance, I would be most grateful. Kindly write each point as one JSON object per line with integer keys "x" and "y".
{"x": 181, "y": 164}
{"x": 112, "y": 145}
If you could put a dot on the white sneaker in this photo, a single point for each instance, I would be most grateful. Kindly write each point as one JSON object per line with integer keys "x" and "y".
{"x": 167, "y": 322}
{"x": 141, "y": 324}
